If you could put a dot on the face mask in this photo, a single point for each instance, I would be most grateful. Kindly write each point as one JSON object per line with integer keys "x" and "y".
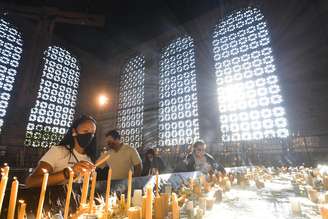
{"x": 84, "y": 140}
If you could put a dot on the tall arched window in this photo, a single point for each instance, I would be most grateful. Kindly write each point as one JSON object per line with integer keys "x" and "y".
{"x": 178, "y": 109}
{"x": 11, "y": 48}
{"x": 54, "y": 110}
{"x": 250, "y": 103}
{"x": 131, "y": 101}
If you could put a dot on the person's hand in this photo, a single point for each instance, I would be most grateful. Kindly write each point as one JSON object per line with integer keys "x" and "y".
{"x": 82, "y": 166}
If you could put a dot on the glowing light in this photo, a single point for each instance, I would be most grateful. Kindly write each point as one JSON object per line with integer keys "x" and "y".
{"x": 131, "y": 101}
{"x": 54, "y": 109}
{"x": 250, "y": 103}
{"x": 178, "y": 109}
{"x": 102, "y": 100}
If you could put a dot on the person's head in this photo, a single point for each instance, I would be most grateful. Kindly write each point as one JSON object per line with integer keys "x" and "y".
{"x": 199, "y": 148}
{"x": 150, "y": 154}
{"x": 81, "y": 135}
{"x": 113, "y": 139}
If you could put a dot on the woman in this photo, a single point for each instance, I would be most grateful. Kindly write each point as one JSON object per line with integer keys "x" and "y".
{"x": 152, "y": 163}
{"x": 199, "y": 160}
{"x": 76, "y": 150}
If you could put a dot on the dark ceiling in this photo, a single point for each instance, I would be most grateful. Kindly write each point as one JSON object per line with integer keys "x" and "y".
{"x": 128, "y": 22}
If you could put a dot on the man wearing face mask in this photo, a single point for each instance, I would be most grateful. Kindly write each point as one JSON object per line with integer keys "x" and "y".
{"x": 122, "y": 157}
{"x": 76, "y": 150}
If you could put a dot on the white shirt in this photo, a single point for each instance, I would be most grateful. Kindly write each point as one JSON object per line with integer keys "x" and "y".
{"x": 59, "y": 157}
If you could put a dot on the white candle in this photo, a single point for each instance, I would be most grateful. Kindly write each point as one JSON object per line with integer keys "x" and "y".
{"x": 3, "y": 185}
{"x": 175, "y": 207}
{"x": 21, "y": 210}
{"x": 156, "y": 184}
{"x": 202, "y": 203}
{"x": 295, "y": 206}
{"x": 109, "y": 178}
{"x": 6, "y": 169}
{"x": 42, "y": 194}
{"x": 134, "y": 212}
{"x": 168, "y": 189}
{"x": 69, "y": 191}
{"x": 92, "y": 191}
{"x": 85, "y": 187}
{"x": 129, "y": 189}
{"x": 137, "y": 198}
{"x": 13, "y": 198}
{"x": 149, "y": 203}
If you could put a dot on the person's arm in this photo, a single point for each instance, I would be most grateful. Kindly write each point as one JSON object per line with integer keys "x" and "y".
{"x": 190, "y": 163}
{"x": 136, "y": 162}
{"x": 35, "y": 179}
{"x": 215, "y": 165}
{"x": 137, "y": 170}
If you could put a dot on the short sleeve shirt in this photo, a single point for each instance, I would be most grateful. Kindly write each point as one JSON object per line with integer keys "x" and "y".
{"x": 59, "y": 157}
{"x": 122, "y": 161}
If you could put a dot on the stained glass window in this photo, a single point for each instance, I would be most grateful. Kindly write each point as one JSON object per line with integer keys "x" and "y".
{"x": 11, "y": 48}
{"x": 131, "y": 101}
{"x": 178, "y": 109}
{"x": 54, "y": 110}
{"x": 249, "y": 96}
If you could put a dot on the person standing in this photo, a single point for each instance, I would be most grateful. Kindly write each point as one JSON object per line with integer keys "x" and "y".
{"x": 122, "y": 157}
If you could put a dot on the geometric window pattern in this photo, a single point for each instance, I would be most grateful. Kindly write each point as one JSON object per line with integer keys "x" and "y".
{"x": 131, "y": 101}
{"x": 54, "y": 110}
{"x": 178, "y": 109}
{"x": 250, "y": 103}
{"x": 11, "y": 48}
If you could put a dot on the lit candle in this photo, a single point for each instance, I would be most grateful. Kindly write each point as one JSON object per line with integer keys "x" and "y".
{"x": 42, "y": 194}
{"x": 69, "y": 191}
{"x": 85, "y": 186}
{"x": 6, "y": 169}
{"x": 92, "y": 191}
{"x": 128, "y": 204}
{"x": 109, "y": 178}
{"x": 21, "y": 209}
{"x": 13, "y": 198}
{"x": 159, "y": 213}
{"x": 295, "y": 206}
{"x": 3, "y": 185}
{"x": 149, "y": 202}
{"x": 134, "y": 212}
{"x": 156, "y": 184}
{"x": 137, "y": 198}
{"x": 175, "y": 207}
